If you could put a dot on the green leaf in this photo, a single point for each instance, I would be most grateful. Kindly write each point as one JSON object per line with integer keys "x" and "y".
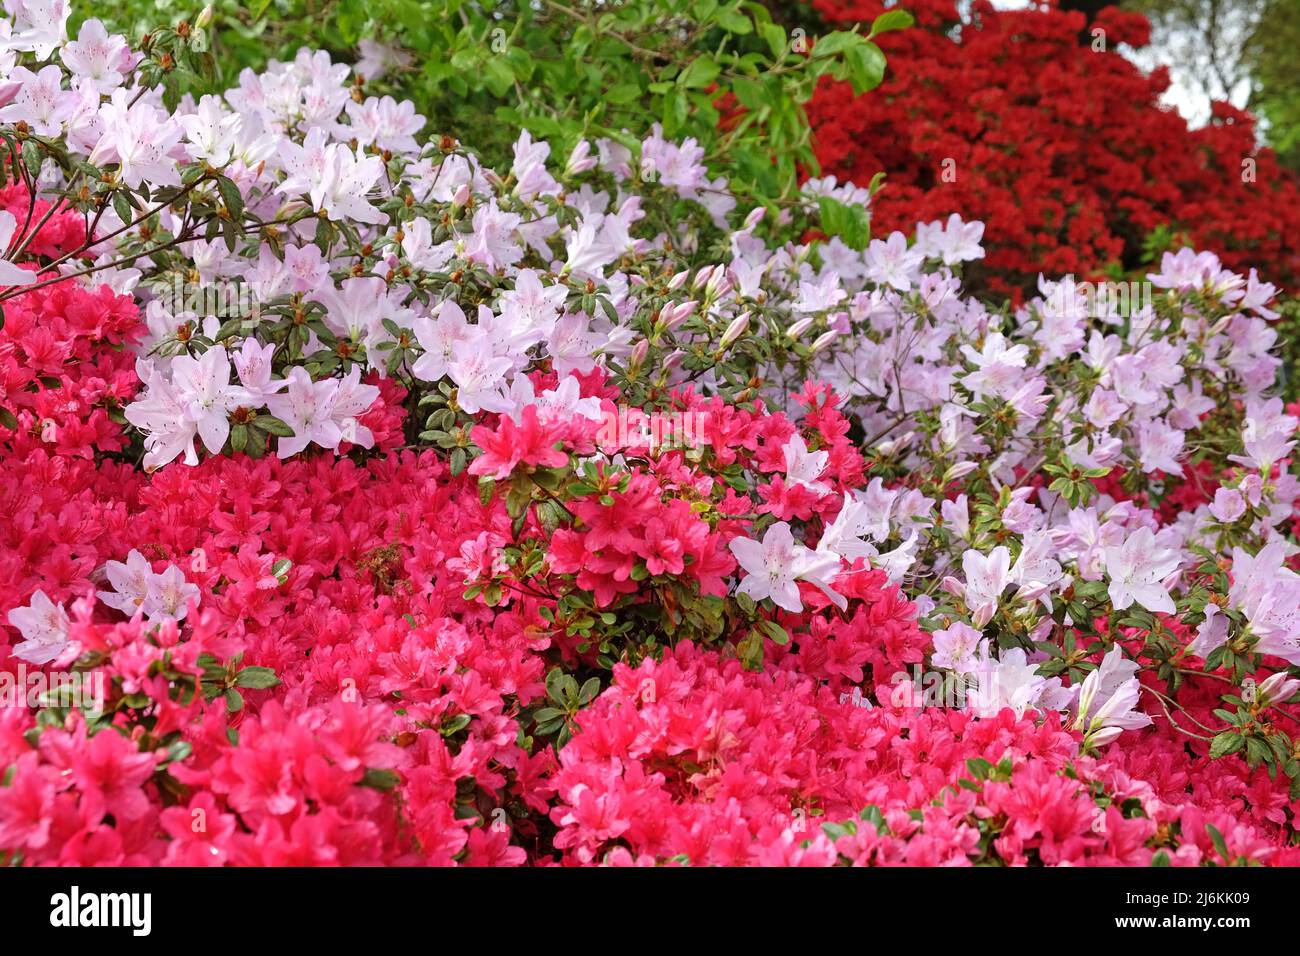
{"x": 733, "y": 21}
{"x": 750, "y": 650}
{"x": 1257, "y": 751}
{"x": 748, "y": 92}
{"x": 272, "y": 425}
{"x": 834, "y": 831}
{"x": 553, "y": 683}
{"x": 122, "y": 207}
{"x": 896, "y": 19}
{"x": 1217, "y": 839}
{"x": 178, "y": 751}
{"x": 380, "y": 779}
{"x": 498, "y": 74}
{"x": 872, "y": 814}
{"x": 775, "y": 36}
{"x": 834, "y": 44}
{"x": 230, "y": 233}
{"x": 775, "y": 632}
{"x": 228, "y": 328}
{"x": 866, "y": 65}
{"x": 850, "y": 223}
{"x": 454, "y": 725}
{"x": 32, "y": 157}
{"x": 1225, "y": 743}
{"x": 569, "y": 689}
{"x": 699, "y": 73}
{"x": 257, "y": 678}
{"x": 623, "y": 94}
{"x": 231, "y": 197}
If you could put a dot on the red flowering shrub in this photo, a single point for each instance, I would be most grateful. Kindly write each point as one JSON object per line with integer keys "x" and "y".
{"x": 697, "y": 757}
{"x": 1061, "y": 149}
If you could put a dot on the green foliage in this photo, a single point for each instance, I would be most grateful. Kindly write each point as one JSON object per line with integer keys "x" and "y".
{"x": 1276, "y": 94}
{"x": 723, "y": 73}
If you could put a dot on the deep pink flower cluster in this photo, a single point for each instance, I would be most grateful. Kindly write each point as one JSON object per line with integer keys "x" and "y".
{"x": 696, "y": 757}
{"x": 59, "y": 234}
{"x": 64, "y": 372}
{"x": 639, "y": 525}
{"x": 377, "y": 653}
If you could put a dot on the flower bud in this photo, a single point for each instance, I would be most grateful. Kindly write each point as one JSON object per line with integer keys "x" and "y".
{"x": 674, "y": 316}
{"x": 799, "y": 328}
{"x": 1276, "y": 688}
{"x": 960, "y": 470}
{"x": 895, "y": 445}
{"x": 735, "y": 330}
{"x": 1104, "y": 736}
{"x": 580, "y": 160}
{"x": 823, "y": 340}
{"x": 718, "y": 285}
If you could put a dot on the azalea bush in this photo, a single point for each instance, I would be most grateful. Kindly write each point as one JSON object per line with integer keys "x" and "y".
{"x": 365, "y": 502}
{"x": 1035, "y": 121}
